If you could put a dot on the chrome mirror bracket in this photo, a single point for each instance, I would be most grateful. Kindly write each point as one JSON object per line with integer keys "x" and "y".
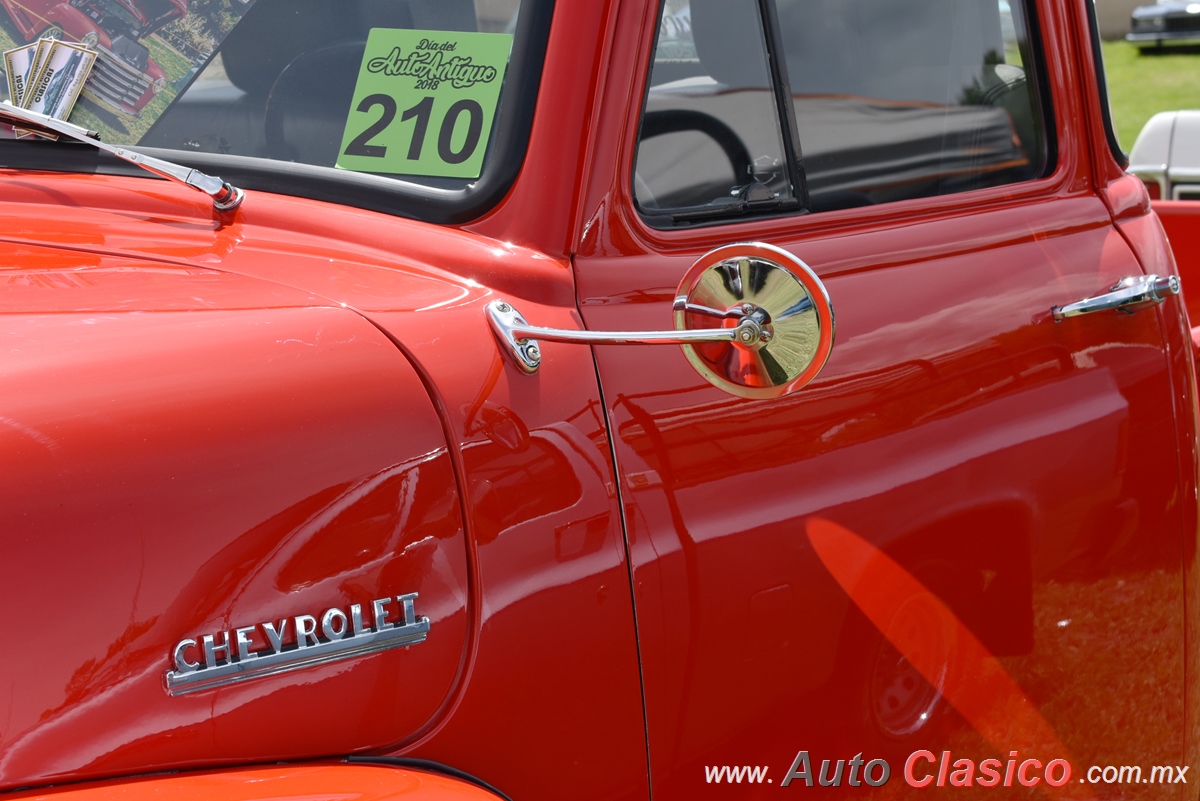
{"x": 523, "y": 352}
{"x": 752, "y": 319}
{"x": 519, "y": 339}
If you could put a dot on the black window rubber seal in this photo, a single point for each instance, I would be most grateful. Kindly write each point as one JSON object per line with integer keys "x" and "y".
{"x": 1034, "y": 53}
{"x": 655, "y": 218}
{"x": 781, "y": 86}
{"x": 514, "y": 122}
{"x": 665, "y": 219}
{"x": 1110, "y": 132}
{"x": 428, "y": 766}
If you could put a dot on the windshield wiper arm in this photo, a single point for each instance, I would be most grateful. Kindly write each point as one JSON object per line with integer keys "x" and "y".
{"x": 225, "y": 196}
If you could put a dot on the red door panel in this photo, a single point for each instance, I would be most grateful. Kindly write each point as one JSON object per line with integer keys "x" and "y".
{"x": 1021, "y": 472}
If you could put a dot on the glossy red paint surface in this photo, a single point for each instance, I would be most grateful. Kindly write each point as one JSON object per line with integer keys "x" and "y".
{"x": 1018, "y": 468}
{"x": 191, "y": 452}
{"x": 544, "y": 598}
{"x": 1181, "y": 221}
{"x": 227, "y": 422}
{"x": 321, "y": 780}
{"x": 987, "y": 697}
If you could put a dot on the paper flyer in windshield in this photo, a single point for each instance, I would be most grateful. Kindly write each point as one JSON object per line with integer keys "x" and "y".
{"x": 19, "y": 68}
{"x": 22, "y": 65}
{"x": 57, "y": 85}
{"x": 147, "y": 53}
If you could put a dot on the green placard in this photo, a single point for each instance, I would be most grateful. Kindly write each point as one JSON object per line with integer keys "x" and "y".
{"x": 424, "y": 102}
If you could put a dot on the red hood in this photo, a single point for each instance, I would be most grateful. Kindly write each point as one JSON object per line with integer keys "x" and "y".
{"x": 193, "y": 444}
{"x": 336, "y": 255}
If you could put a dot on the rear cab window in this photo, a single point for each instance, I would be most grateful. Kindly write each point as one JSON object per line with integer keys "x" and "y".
{"x": 770, "y": 106}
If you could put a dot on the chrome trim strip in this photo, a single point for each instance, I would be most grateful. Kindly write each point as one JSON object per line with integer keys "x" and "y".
{"x": 1162, "y": 36}
{"x": 1186, "y": 174}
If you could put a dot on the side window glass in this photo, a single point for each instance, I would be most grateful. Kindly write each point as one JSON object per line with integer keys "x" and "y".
{"x": 882, "y": 100}
{"x": 900, "y": 99}
{"x": 710, "y": 137}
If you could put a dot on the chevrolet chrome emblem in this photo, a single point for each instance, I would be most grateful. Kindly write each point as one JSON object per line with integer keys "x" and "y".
{"x": 225, "y": 658}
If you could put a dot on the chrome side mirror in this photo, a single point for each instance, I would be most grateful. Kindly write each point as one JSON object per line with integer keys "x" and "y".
{"x": 752, "y": 319}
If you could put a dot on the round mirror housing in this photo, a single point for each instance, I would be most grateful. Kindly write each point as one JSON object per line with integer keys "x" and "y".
{"x": 781, "y": 312}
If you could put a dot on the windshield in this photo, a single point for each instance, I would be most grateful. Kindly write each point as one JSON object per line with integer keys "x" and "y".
{"x": 426, "y": 98}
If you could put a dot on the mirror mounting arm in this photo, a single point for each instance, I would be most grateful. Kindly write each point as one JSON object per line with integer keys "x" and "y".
{"x": 752, "y": 319}
{"x": 519, "y": 339}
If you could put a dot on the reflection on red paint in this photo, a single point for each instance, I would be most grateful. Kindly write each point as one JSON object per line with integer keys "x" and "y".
{"x": 972, "y": 680}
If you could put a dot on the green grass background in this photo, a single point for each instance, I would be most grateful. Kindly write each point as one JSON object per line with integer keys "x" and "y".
{"x": 1139, "y": 86}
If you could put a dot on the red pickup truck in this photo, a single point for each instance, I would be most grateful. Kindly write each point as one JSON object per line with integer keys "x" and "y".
{"x": 618, "y": 399}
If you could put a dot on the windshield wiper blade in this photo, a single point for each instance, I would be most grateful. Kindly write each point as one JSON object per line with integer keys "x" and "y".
{"x": 225, "y": 196}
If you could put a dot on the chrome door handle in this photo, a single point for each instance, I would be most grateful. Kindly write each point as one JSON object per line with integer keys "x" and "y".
{"x": 1128, "y": 296}
{"x": 521, "y": 338}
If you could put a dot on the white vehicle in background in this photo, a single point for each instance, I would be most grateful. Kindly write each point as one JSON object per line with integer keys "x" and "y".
{"x": 1166, "y": 155}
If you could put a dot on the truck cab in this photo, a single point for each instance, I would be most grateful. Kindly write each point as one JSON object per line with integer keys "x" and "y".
{"x": 616, "y": 400}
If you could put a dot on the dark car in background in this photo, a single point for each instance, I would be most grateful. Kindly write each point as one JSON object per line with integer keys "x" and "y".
{"x": 1153, "y": 25}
